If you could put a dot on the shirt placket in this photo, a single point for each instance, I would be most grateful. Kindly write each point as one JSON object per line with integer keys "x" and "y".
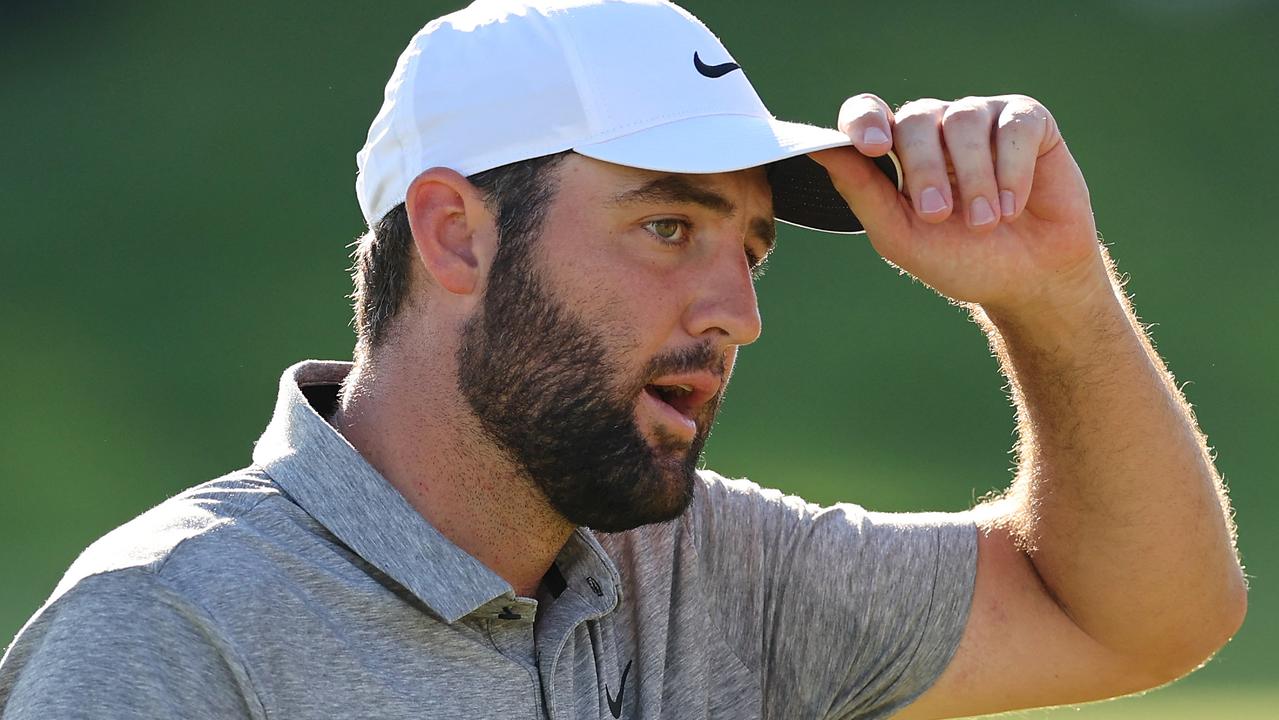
{"x": 509, "y": 626}
{"x": 586, "y": 599}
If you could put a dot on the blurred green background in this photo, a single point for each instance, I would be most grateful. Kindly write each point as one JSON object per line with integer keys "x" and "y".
{"x": 176, "y": 194}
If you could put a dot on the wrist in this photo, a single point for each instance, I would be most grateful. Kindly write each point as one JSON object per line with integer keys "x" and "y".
{"x": 1072, "y": 310}
{"x": 1064, "y": 296}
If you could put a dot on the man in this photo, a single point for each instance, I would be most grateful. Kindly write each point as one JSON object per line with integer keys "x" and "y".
{"x": 495, "y": 511}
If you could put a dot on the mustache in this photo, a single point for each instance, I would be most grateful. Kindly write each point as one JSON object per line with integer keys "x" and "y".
{"x": 702, "y": 357}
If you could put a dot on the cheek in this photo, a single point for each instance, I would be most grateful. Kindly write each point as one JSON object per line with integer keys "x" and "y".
{"x": 632, "y": 324}
{"x": 632, "y": 302}
{"x": 618, "y": 288}
{"x": 644, "y": 305}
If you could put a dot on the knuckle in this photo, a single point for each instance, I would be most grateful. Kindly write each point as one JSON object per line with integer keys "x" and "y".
{"x": 920, "y": 176}
{"x": 1027, "y": 108}
{"x": 861, "y": 103}
{"x": 975, "y": 180}
{"x": 1010, "y": 172}
{"x": 860, "y": 109}
{"x": 1025, "y": 101}
{"x": 926, "y": 108}
{"x": 964, "y": 116}
{"x": 1023, "y": 123}
{"x": 916, "y": 150}
{"x": 1016, "y": 132}
{"x": 914, "y": 131}
{"x": 924, "y": 170}
{"x": 1019, "y": 118}
{"x": 966, "y": 145}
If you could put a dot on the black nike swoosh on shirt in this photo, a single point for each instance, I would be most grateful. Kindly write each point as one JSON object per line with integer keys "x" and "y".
{"x": 714, "y": 71}
{"x": 615, "y": 706}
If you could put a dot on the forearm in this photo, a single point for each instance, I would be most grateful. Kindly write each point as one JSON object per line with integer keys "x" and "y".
{"x": 1116, "y": 501}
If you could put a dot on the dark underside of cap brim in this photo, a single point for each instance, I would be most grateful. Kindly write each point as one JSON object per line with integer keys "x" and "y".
{"x": 803, "y": 195}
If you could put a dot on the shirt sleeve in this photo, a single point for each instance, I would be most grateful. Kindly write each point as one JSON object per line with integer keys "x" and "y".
{"x": 844, "y": 613}
{"x": 122, "y": 645}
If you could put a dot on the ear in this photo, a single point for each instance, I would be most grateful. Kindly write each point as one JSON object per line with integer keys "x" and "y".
{"x": 452, "y": 229}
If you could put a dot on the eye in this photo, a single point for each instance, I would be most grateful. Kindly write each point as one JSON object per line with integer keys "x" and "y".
{"x": 670, "y": 231}
{"x": 756, "y": 263}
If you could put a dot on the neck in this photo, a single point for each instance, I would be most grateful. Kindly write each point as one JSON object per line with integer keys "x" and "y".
{"x": 405, "y": 416}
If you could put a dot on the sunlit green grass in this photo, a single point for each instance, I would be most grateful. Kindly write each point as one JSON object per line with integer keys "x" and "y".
{"x": 1173, "y": 703}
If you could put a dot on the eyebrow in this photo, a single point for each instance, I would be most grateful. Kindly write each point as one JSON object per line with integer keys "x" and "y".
{"x": 678, "y": 189}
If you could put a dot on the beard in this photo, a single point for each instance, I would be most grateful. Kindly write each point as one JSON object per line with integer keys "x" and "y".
{"x": 543, "y": 386}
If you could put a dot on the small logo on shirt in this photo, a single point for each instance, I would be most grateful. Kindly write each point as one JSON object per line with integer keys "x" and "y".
{"x": 714, "y": 71}
{"x": 615, "y": 706}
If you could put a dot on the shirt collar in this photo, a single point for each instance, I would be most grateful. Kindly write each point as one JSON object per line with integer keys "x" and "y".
{"x": 329, "y": 479}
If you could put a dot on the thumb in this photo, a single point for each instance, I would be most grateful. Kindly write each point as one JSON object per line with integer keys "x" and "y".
{"x": 873, "y": 198}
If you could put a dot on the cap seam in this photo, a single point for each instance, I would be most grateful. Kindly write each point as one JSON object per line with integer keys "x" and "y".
{"x": 410, "y": 147}
{"x": 576, "y": 69}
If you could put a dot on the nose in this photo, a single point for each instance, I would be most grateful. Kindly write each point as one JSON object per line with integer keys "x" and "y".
{"x": 723, "y": 304}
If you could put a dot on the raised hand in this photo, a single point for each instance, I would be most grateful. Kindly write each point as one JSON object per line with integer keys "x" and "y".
{"x": 995, "y": 211}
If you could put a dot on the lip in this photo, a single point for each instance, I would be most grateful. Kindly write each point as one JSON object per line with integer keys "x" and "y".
{"x": 704, "y": 386}
{"x": 682, "y": 412}
{"x": 669, "y": 416}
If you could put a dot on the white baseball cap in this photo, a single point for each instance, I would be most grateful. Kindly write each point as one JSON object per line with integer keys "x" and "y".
{"x": 641, "y": 83}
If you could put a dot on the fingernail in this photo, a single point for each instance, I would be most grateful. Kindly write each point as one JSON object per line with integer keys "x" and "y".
{"x": 874, "y": 136}
{"x": 981, "y": 212}
{"x": 1007, "y": 204}
{"x": 931, "y": 200}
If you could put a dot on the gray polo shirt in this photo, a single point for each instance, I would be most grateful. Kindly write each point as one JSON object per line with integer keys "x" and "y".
{"x": 305, "y": 586}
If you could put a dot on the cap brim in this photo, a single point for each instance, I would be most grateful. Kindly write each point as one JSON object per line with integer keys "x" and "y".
{"x": 802, "y": 191}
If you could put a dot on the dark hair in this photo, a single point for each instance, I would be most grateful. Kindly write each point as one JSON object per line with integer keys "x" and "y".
{"x": 518, "y": 194}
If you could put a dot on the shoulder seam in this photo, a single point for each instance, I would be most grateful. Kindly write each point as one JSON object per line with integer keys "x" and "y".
{"x": 224, "y": 638}
{"x": 159, "y": 568}
{"x": 167, "y": 595}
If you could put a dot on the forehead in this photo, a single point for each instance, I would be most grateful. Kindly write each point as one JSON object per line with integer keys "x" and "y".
{"x": 615, "y": 185}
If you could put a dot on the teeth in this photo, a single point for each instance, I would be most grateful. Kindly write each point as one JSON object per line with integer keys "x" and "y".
{"x": 675, "y": 389}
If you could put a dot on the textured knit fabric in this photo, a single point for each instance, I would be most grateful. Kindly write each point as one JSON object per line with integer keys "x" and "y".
{"x": 305, "y": 586}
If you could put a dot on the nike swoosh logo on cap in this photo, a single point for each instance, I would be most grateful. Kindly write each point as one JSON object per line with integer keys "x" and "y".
{"x": 615, "y": 706}
{"x": 714, "y": 71}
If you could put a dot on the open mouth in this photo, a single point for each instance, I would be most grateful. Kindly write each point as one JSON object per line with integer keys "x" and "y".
{"x": 677, "y": 396}
{"x": 678, "y": 403}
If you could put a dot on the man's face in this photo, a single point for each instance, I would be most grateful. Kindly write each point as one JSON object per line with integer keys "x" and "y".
{"x": 601, "y": 350}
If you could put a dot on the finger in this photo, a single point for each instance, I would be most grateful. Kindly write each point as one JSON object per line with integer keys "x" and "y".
{"x": 873, "y": 198}
{"x": 1022, "y": 131}
{"x": 967, "y": 126}
{"x": 868, "y": 122}
{"x": 919, "y": 148}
